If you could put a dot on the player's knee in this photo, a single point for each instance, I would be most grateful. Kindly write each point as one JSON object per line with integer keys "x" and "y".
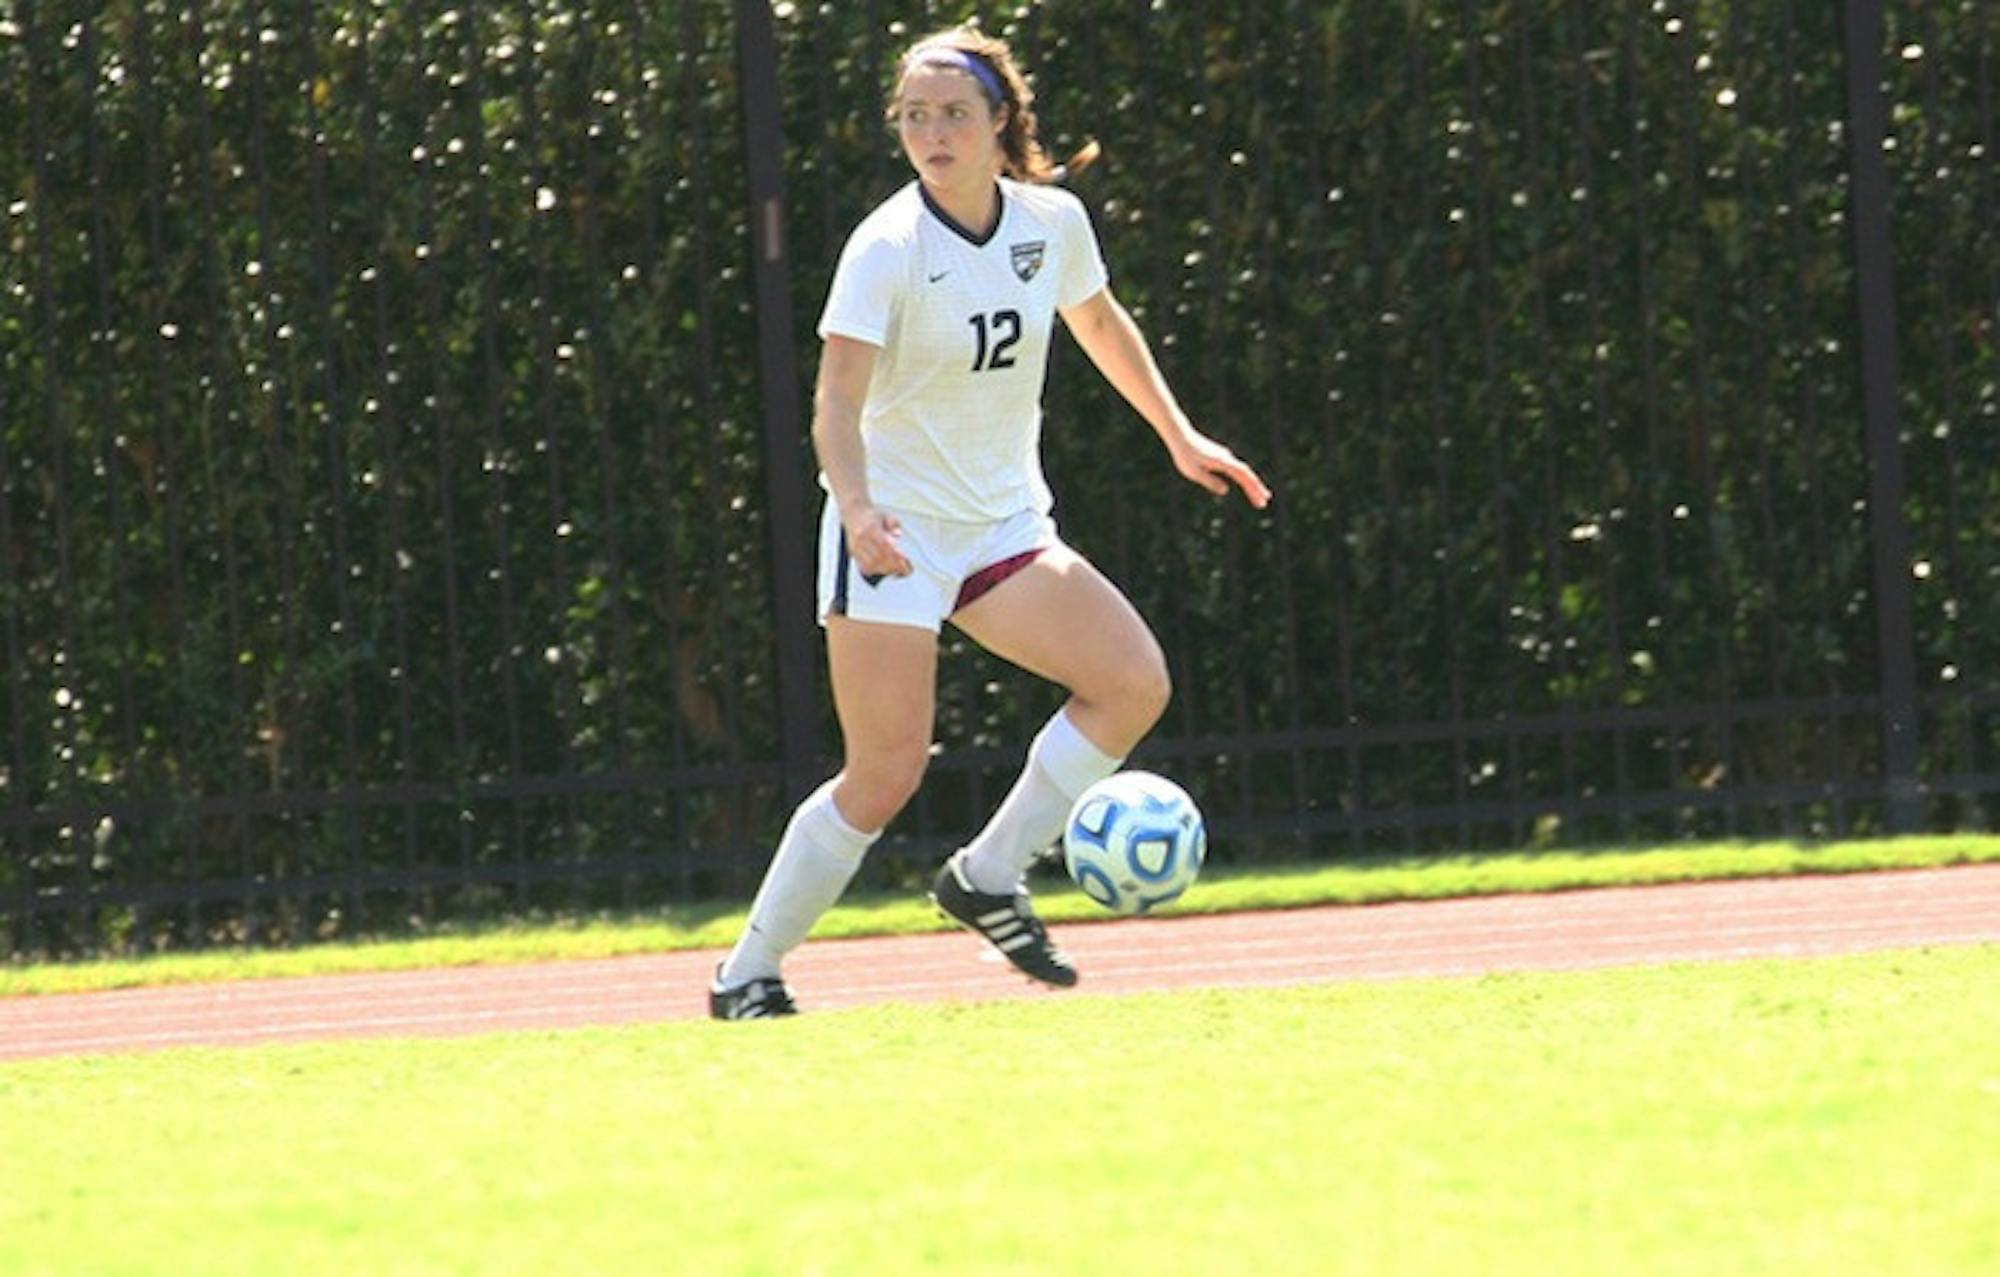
{"x": 1142, "y": 689}
{"x": 906, "y": 771}
{"x": 882, "y": 783}
{"x": 1136, "y": 691}
{"x": 1153, "y": 689}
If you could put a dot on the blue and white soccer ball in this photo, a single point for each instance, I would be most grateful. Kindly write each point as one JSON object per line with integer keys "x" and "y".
{"x": 1134, "y": 842}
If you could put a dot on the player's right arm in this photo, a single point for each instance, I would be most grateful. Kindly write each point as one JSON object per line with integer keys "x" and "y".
{"x": 845, "y": 366}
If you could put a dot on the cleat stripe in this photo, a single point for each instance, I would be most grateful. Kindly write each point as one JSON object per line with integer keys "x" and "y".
{"x": 1008, "y": 946}
{"x": 997, "y": 917}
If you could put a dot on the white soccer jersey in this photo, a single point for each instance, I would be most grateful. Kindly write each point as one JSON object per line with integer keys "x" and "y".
{"x": 953, "y": 419}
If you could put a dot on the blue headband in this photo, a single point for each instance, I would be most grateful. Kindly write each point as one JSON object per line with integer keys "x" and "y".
{"x": 945, "y": 55}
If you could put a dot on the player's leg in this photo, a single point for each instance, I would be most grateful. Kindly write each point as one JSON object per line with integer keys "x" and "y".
{"x": 885, "y": 696}
{"x": 1062, "y": 619}
{"x": 881, "y": 641}
{"x": 1057, "y": 617}
{"x": 884, "y": 692}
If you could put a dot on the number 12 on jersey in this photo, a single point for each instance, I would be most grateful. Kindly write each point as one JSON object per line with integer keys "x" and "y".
{"x": 997, "y": 334}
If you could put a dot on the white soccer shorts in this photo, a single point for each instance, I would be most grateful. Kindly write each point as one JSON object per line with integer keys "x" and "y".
{"x": 954, "y": 563}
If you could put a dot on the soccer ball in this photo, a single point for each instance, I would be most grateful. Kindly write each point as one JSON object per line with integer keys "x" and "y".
{"x": 1134, "y": 842}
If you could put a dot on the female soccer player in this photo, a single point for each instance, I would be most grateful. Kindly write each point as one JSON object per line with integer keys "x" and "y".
{"x": 926, "y": 425}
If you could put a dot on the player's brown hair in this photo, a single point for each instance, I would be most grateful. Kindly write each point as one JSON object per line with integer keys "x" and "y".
{"x": 1023, "y": 157}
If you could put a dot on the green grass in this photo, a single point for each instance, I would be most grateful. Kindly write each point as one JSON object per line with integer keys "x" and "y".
{"x": 1830, "y": 1117}
{"x": 682, "y": 927}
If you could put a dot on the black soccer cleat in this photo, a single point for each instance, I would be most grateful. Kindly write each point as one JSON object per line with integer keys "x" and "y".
{"x": 1007, "y": 922}
{"x": 763, "y": 999}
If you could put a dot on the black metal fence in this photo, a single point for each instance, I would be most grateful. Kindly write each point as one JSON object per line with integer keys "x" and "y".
{"x": 403, "y": 485}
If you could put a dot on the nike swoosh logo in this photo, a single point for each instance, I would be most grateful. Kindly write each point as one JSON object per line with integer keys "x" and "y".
{"x": 940, "y": 275}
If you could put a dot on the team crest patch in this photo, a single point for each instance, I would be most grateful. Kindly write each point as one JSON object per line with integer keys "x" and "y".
{"x": 1028, "y": 258}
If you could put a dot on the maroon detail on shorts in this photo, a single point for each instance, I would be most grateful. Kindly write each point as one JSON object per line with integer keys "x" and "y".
{"x": 987, "y": 577}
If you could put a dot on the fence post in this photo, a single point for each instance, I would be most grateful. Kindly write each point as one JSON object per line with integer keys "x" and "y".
{"x": 1875, "y": 295}
{"x": 777, "y": 374}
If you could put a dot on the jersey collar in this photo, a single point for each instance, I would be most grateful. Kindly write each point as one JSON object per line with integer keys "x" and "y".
{"x": 957, "y": 227}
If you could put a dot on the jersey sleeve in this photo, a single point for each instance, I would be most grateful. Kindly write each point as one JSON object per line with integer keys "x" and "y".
{"x": 1083, "y": 272}
{"x": 862, "y": 298}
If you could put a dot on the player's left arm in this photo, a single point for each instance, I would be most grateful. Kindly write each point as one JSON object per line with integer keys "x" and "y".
{"x": 1111, "y": 337}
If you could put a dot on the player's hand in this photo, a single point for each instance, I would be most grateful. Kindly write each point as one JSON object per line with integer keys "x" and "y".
{"x": 1212, "y": 465}
{"x": 871, "y": 542}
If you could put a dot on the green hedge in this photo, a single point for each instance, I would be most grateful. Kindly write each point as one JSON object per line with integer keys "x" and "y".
{"x": 378, "y": 417}
{"x": 1541, "y": 317}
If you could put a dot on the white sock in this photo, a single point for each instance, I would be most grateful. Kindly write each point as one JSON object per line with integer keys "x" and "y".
{"x": 815, "y": 860}
{"x": 1062, "y": 763}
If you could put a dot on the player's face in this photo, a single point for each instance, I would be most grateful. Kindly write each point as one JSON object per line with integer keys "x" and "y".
{"x": 949, "y": 131}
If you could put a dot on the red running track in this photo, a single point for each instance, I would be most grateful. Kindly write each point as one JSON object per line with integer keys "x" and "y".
{"x": 1799, "y": 917}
